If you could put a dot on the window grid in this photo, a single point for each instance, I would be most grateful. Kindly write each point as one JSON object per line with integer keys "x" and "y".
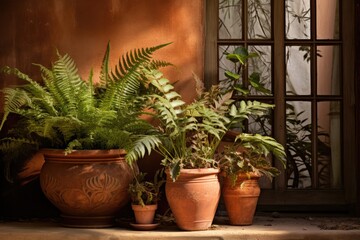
{"x": 312, "y": 97}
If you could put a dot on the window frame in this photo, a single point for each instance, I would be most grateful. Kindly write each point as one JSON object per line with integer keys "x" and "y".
{"x": 280, "y": 197}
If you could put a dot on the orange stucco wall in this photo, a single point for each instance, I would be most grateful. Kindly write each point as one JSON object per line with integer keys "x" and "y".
{"x": 32, "y": 30}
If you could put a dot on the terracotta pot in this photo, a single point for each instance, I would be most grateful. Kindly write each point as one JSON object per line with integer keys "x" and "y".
{"x": 241, "y": 199}
{"x": 144, "y": 214}
{"x": 89, "y": 187}
{"x": 194, "y": 197}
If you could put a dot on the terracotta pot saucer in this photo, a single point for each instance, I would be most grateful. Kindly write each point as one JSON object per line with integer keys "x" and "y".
{"x": 144, "y": 227}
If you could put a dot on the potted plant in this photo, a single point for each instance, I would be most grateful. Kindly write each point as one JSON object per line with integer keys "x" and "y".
{"x": 94, "y": 128}
{"x": 243, "y": 162}
{"x": 246, "y": 156}
{"x": 144, "y": 198}
{"x": 190, "y": 135}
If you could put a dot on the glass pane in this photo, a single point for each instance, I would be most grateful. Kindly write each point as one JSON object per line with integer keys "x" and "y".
{"x": 297, "y": 18}
{"x": 298, "y": 144}
{"x": 328, "y": 70}
{"x": 327, "y": 19}
{"x": 230, "y": 19}
{"x": 329, "y": 145}
{"x": 298, "y": 71}
{"x": 259, "y": 71}
{"x": 259, "y": 19}
{"x": 227, "y": 65}
{"x": 261, "y": 124}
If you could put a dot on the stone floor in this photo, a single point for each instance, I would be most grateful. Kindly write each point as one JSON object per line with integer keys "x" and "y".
{"x": 264, "y": 228}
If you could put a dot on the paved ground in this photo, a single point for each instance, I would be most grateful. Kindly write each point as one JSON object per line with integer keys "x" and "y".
{"x": 264, "y": 228}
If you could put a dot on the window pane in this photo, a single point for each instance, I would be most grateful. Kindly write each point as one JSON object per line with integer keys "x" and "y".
{"x": 329, "y": 145}
{"x": 297, "y": 14}
{"x": 298, "y": 71}
{"x": 259, "y": 19}
{"x": 327, "y": 19}
{"x": 227, "y": 65}
{"x": 328, "y": 70}
{"x": 262, "y": 125}
{"x": 298, "y": 144}
{"x": 230, "y": 19}
{"x": 260, "y": 70}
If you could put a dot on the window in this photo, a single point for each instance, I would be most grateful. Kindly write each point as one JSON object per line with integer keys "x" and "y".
{"x": 306, "y": 64}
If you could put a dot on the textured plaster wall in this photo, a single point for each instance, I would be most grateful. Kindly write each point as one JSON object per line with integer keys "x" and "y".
{"x": 32, "y": 30}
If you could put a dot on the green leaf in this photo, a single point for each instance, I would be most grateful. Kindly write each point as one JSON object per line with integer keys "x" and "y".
{"x": 175, "y": 169}
{"x": 232, "y": 76}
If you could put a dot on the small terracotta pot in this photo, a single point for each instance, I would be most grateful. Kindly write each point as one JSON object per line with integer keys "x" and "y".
{"x": 144, "y": 214}
{"x": 194, "y": 197}
{"x": 89, "y": 187}
{"x": 241, "y": 199}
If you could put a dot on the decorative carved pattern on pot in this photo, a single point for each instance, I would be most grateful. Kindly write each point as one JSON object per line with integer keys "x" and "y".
{"x": 81, "y": 188}
{"x": 97, "y": 190}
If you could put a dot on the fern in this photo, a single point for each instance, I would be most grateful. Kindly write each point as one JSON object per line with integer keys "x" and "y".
{"x": 70, "y": 113}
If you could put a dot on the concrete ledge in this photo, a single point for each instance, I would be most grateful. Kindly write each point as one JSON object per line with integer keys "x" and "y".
{"x": 264, "y": 228}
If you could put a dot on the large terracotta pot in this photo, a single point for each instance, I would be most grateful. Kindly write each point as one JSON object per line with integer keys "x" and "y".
{"x": 194, "y": 197}
{"x": 241, "y": 199}
{"x": 89, "y": 187}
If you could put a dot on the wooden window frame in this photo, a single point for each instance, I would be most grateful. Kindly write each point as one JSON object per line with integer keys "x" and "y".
{"x": 281, "y": 198}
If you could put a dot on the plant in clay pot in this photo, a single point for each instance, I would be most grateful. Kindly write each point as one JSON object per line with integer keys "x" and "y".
{"x": 144, "y": 198}
{"x": 245, "y": 157}
{"x": 96, "y": 129}
{"x": 190, "y": 135}
{"x": 243, "y": 162}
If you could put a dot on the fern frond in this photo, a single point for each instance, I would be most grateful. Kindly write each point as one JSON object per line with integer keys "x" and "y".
{"x": 156, "y": 64}
{"x": 68, "y": 83}
{"x": 142, "y": 145}
{"x": 104, "y": 73}
{"x": 14, "y": 99}
{"x": 126, "y": 79}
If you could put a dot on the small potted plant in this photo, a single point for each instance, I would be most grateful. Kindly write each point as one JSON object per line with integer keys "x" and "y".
{"x": 243, "y": 162}
{"x": 144, "y": 198}
{"x": 86, "y": 131}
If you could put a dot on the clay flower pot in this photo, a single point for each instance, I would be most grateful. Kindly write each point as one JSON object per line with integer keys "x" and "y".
{"x": 89, "y": 187}
{"x": 241, "y": 199}
{"x": 144, "y": 214}
{"x": 193, "y": 197}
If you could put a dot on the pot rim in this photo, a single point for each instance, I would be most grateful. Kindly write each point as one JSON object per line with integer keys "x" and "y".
{"x": 139, "y": 207}
{"x": 81, "y": 154}
{"x": 196, "y": 170}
